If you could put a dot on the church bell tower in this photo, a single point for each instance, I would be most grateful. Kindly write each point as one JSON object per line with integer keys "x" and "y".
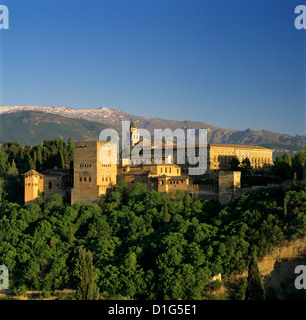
{"x": 134, "y": 134}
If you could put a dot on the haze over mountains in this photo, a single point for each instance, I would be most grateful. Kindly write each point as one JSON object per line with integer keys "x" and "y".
{"x": 33, "y": 124}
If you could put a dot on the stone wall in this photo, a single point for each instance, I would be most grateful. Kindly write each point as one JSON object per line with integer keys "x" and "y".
{"x": 229, "y": 182}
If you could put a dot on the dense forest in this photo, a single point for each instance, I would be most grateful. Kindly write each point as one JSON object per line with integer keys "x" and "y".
{"x": 15, "y": 160}
{"x": 140, "y": 244}
{"x": 144, "y": 244}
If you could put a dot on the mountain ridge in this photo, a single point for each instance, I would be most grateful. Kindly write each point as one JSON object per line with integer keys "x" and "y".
{"x": 112, "y": 118}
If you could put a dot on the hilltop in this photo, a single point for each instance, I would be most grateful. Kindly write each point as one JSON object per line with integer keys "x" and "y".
{"x": 20, "y": 122}
{"x": 32, "y": 127}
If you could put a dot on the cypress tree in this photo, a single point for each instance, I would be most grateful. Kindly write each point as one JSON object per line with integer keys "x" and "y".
{"x": 70, "y": 236}
{"x": 294, "y": 180}
{"x": 166, "y": 216}
{"x": 39, "y": 159}
{"x": 12, "y": 169}
{"x": 285, "y": 207}
{"x": 87, "y": 289}
{"x": 28, "y": 163}
{"x": 34, "y": 160}
{"x": 62, "y": 161}
{"x": 255, "y": 289}
{"x": 21, "y": 154}
{"x": 3, "y": 160}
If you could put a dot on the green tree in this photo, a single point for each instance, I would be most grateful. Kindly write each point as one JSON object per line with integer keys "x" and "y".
{"x": 281, "y": 168}
{"x": 285, "y": 209}
{"x": 3, "y": 194}
{"x": 235, "y": 164}
{"x": 39, "y": 160}
{"x": 288, "y": 159}
{"x": 294, "y": 180}
{"x": 3, "y": 160}
{"x": 87, "y": 288}
{"x": 246, "y": 168}
{"x": 166, "y": 216}
{"x": 70, "y": 235}
{"x": 34, "y": 160}
{"x": 21, "y": 154}
{"x": 12, "y": 169}
{"x": 254, "y": 288}
{"x": 28, "y": 163}
{"x": 70, "y": 148}
{"x": 298, "y": 163}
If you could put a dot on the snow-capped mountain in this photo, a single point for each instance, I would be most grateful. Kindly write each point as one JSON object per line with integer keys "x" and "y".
{"x": 113, "y": 118}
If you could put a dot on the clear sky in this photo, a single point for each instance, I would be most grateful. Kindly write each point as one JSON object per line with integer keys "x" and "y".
{"x": 229, "y": 63}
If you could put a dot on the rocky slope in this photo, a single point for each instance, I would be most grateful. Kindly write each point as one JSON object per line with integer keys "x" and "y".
{"x": 277, "y": 269}
{"x": 113, "y": 118}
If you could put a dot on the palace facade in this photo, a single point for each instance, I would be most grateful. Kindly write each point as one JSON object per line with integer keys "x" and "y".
{"x": 96, "y": 171}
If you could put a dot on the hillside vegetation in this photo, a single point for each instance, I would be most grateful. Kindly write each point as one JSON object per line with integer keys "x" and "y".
{"x": 145, "y": 245}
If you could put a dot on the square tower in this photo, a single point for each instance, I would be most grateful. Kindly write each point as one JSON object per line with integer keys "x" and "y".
{"x": 33, "y": 184}
{"x": 229, "y": 182}
{"x": 95, "y": 170}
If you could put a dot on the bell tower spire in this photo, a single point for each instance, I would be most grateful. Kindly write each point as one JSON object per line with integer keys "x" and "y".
{"x": 134, "y": 133}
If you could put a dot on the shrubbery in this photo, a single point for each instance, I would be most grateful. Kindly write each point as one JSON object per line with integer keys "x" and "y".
{"x": 144, "y": 244}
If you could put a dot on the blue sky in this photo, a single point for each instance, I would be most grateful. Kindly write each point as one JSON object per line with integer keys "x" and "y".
{"x": 229, "y": 63}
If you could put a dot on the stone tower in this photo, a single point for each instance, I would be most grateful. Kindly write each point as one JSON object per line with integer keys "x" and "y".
{"x": 134, "y": 134}
{"x": 33, "y": 183}
{"x": 229, "y": 182}
{"x": 95, "y": 170}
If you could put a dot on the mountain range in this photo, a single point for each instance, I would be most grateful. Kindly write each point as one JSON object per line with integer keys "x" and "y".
{"x": 33, "y": 124}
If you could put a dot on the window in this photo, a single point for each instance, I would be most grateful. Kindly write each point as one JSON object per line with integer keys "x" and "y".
{"x": 161, "y": 170}
{"x": 177, "y": 170}
{"x": 165, "y": 170}
{"x": 85, "y": 179}
{"x": 80, "y": 179}
{"x": 102, "y": 178}
{"x": 50, "y": 185}
{"x": 170, "y": 170}
{"x": 89, "y": 179}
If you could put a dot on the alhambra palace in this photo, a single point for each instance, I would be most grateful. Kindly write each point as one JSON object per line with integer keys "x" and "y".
{"x": 91, "y": 180}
